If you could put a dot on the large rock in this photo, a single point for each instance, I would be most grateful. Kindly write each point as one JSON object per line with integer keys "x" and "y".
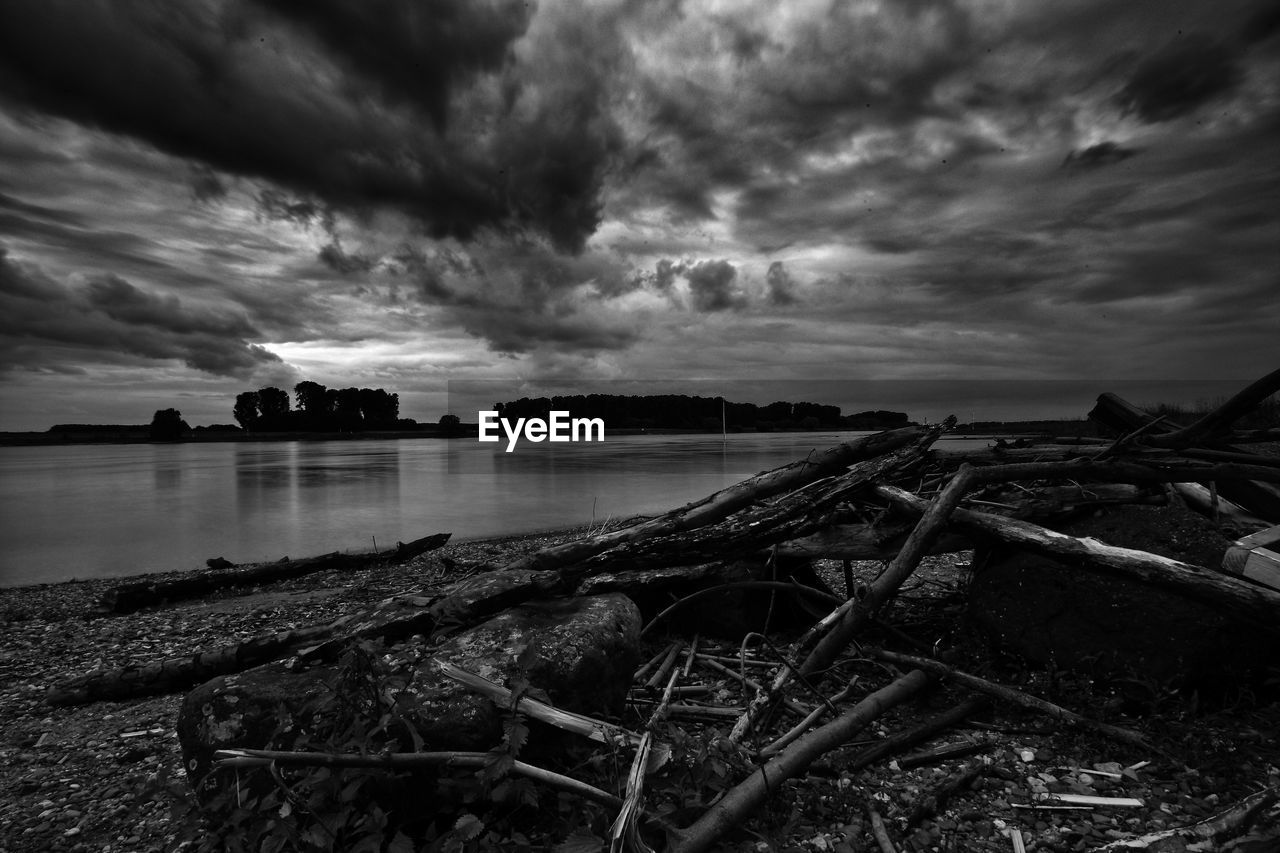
{"x": 1052, "y": 613}
{"x": 581, "y": 651}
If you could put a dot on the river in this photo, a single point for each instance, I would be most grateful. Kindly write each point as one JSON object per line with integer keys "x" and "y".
{"x": 107, "y": 510}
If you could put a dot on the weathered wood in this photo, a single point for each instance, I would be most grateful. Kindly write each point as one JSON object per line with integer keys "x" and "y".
{"x": 837, "y": 629}
{"x": 1216, "y": 830}
{"x": 1201, "y": 499}
{"x": 1213, "y": 588}
{"x": 931, "y": 727}
{"x": 1216, "y": 423}
{"x": 741, "y": 800}
{"x": 1145, "y": 470}
{"x": 722, "y": 504}
{"x": 882, "y": 541}
{"x": 755, "y": 528}
{"x": 131, "y": 597}
{"x": 863, "y": 542}
{"x": 1043, "y": 501}
{"x": 410, "y": 761}
{"x": 181, "y": 672}
{"x": 792, "y": 588}
{"x": 743, "y": 533}
{"x": 1258, "y": 497}
{"x": 857, "y": 613}
{"x": 1002, "y": 455}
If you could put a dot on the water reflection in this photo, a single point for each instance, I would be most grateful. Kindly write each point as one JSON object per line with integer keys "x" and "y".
{"x": 326, "y": 464}
{"x": 112, "y": 510}
{"x": 167, "y": 473}
{"x": 296, "y": 477}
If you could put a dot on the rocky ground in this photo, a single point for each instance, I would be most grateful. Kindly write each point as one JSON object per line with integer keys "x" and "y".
{"x": 102, "y": 777}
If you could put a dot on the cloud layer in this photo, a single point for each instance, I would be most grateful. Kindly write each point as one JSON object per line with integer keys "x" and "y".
{"x": 396, "y": 192}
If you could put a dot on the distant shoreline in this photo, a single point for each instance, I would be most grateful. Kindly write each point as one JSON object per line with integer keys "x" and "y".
{"x": 981, "y": 429}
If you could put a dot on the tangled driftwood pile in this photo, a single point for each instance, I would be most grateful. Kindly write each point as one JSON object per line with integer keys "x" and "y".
{"x": 891, "y": 496}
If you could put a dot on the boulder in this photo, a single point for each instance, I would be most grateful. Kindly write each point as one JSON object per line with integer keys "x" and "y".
{"x": 1049, "y": 612}
{"x": 581, "y": 651}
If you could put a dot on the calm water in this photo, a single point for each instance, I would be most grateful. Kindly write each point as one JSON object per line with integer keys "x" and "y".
{"x": 108, "y": 510}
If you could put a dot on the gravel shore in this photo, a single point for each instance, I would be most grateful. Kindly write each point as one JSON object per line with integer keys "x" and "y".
{"x": 97, "y": 777}
{"x": 100, "y": 778}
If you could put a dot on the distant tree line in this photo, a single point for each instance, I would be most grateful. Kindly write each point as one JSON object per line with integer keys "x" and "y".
{"x": 319, "y": 409}
{"x": 679, "y": 411}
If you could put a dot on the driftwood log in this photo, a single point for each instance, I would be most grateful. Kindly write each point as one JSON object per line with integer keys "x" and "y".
{"x": 131, "y": 597}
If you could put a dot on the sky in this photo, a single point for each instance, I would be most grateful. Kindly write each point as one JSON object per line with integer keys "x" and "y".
{"x": 211, "y": 196}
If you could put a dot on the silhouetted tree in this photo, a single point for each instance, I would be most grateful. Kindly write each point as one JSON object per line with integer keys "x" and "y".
{"x": 320, "y": 409}
{"x": 346, "y": 409}
{"x": 168, "y": 425}
{"x": 246, "y": 411}
{"x": 273, "y": 402}
{"x": 450, "y": 424}
{"x": 378, "y": 408}
{"x": 312, "y": 398}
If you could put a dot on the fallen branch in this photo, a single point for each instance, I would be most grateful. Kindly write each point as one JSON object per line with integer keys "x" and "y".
{"x": 754, "y": 529}
{"x": 857, "y": 613}
{"x": 941, "y": 754}
{"x": 1217, "y": 589}
{"x": 409, "y": 761}
{"x": 180, "y": 672}
{"x": 722, "y": 504}
{"x": 879, "y": 831}
{"x": 838, "y": 628}
{"x": 1016, "y": 697}
{"x": 954, "y": 715}
{"x": 1220, "y": 420}
{"x": 579, "y": 724}
{"x": 131, "y": 597}
{"x": 740, "y": 801}
{"x": 748, "y": 682}
{"x": 810, "y": 720}
{"x": 1253, "y": 493}
{"x": 1230, "y": 823}
{"x": 785, "y": 586}
{"x": 624, "y": 834}
{"x": 863, "y": 542}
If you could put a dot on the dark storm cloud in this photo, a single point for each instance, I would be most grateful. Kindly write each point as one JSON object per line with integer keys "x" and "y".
{"x": 1102, "y": 154}
{"x": 339, "y": 260}
{"x": 414, "y": 51}
{"x": 781, "y": 286}
{"x": 229, "y": 85}
{"x": 512, "y": 330}
{"x": 1180, "y": 78}
{"x": 1264, "y": 24}
{"x": 120, "y": 300}
{"x": 712, "y": 285}
{"x": 48, "y": 323}
{"x": 20, "y": 281}
{"x": 792, "y": 95}
{"x": 206, "y": 185}
{"x": 520, "y": 297}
